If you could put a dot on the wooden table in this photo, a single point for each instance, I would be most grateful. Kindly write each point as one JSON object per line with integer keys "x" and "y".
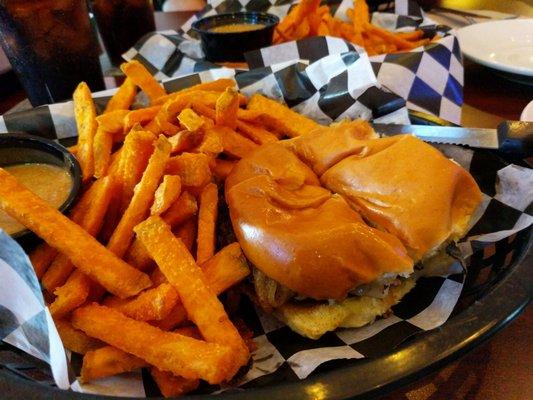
{"x": 501, "y": 369}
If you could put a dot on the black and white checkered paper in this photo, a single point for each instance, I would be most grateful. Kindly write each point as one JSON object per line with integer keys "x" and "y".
{"x": 318, "y": 90}
{"x": 429, "y": 78}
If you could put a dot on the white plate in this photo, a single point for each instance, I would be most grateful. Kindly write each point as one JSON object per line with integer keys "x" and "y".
{"x": 4, "y": 63}
{"x": 503, "y": 45}
{"x": 527, "y": 113}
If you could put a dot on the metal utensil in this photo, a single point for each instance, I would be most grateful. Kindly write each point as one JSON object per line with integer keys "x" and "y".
{"x": 512, "y": 137}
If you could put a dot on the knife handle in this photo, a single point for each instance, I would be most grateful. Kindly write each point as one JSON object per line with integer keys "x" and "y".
{"x": 516, "y": 138}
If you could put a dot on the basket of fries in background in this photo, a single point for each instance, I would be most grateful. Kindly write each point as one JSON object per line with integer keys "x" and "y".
{"x": 142, "y": 281}
{"x": 308, "y": 18}
{"x": 412, "y": 56}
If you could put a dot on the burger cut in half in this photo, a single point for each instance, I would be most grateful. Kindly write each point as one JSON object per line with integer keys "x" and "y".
{"x": 334, "y": 222}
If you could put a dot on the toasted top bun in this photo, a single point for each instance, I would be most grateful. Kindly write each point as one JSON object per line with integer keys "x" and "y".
{"x": 296, "y": 207}
{"x": 408, "y": 188}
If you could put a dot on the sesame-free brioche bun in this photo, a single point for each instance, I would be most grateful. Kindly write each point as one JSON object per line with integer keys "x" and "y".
{"x": 337, "y": 208}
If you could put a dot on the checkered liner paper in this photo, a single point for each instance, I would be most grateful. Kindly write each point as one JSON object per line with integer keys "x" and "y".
{"x": 337, "y": 86}
{"x": 429, "y": 79}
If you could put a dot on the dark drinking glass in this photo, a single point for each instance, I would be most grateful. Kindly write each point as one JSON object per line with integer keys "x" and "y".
{"x": 122, "y": 23}
{"x": 51, "y": 46}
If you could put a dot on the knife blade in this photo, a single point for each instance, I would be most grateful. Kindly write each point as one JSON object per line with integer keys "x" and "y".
{"x": 514, "y": 137}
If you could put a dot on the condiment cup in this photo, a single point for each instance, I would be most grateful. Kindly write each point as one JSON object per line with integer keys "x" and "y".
{"x": 231, "y": 46}
{"x": 21, "y": 148}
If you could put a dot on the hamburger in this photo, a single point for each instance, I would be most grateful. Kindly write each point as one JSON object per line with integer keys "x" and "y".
{"x": 335, "y": 221}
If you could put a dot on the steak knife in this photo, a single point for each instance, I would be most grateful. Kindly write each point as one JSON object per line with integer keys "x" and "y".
{"x": 511, "y": 137}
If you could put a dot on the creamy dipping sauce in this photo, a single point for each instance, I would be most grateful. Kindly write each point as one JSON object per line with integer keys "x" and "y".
{"x": 49, "y": 182}
{"x": 233, "y": 28}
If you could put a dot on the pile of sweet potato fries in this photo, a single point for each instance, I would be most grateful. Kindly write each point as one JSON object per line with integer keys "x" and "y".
{"x": 132, "y": 276}
{"x": 308, "y": 18}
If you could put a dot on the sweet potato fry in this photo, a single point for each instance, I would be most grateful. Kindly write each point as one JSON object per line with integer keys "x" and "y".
{"x": 256, "y": 133}
{"x": 248, "y": 115}
{"x": 234, "y": 144}
{"x": 182, "y": 210}
{"x": 143, "y": 196}
{"x": 207, "y": 218}
{"x": 193, "y": 169}
{"x": 181, "y": 355}
{"x": 69, "y": 238}
{"x": 41, "y": 258}
{"x": 281, "y": 118}
{"x": 112, "y": 121}
{"x": 142, "y": 78}
{"x": 185, "y": 207}
{"x": 140, "y": 116}
{"x": 167, "y": 128}
{"x": 123, "y": 97}
{"x": 171, "y": 385}
{"x": 222, "y": 168}
{"x": 202, "y": 305}
{"x": 134, "y": 157}
{"x": 103, "y": 144}
{"x": 89, "y": 214}
{"x": 211, "y": 143}
{"x": 215, "y": 86}
{"x": 184, "y": 141}
{"x": 71, "y": 295}
{"x": 150, "y": 305}
{"x": 190, "y": 120}
{"x": 204, "y": 109}
{"x": 157, "y": 276}
{"x": 390, "y": 37}
{"x": 187, "y": 233}
{"x": 226, "y": 109}
{"x": 85, "y": 115}
{"x": 74, "y": 339}
{"x": 138, "y": 257}
{"x": 166, "y": 194}
{"x": 108, "y": 361}
{"x": 225, "y": 268}
{"x": 176, "y": 317}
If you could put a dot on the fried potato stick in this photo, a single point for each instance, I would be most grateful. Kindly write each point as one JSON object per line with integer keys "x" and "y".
{"x": 225, "y": 269}
{"x": 226, "y": 109}
{"x": 85, "y": 115}
{"x": 222, "y": 168}
{"x": 181, "y": 355}
{"x": 103, "y": 144}
{"x": 41, "y": 258}
{"x": 89, "y": 213}
{"x": 234, "y": 144}
{"x": 219, "y": 85}
{"x": 280, "y": 117}
{"x": 207, "y": 218}
{"x": 166, "y": 194}
{"x": 193, "y": 169}
{"x": 123, "y": 97}
{"x": 142, "y": 78}
{"x": 108, "y": 361}
{"x": 201, "y": 303}
{"x": 74, "y": 339}
{"x": 171, "y": 385}
{"x": 143, "y": 196}
{"x": 150, "y": 305}
{"x": 69, "y": 238}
